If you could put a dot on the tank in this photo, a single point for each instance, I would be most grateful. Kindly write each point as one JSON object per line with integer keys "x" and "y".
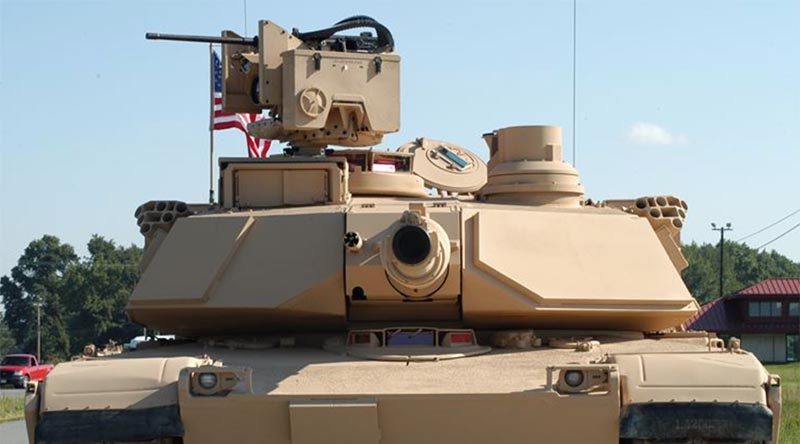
{"x": 334, "y": 293}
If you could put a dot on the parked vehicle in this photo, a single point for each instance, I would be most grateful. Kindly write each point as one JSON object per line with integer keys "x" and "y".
{"x": 134, "y": 343}
{"x": 18, "y": 370}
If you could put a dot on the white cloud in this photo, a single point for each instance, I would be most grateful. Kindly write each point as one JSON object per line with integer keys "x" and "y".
{"x": 646, "y": 133}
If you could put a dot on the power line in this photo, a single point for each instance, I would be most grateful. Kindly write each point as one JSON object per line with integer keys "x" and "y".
{"x": 770, "y": 225}
{"x": 779, "y": 236}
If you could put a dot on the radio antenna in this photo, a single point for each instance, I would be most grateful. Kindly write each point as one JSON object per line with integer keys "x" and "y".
{"x": 245, "y": 18}
{"x": 574, "y": 70}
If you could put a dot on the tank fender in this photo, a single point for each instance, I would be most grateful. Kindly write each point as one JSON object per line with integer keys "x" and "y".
{"x": 114, "y": 400}
{"x": 704, "y": 420}
{"x": 690, "y": 396}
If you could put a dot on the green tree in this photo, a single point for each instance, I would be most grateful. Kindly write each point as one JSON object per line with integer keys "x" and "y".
{"x": 743, "y": 266}
{"x": 37, "y": 277}
{"x": 83, "y": 300}
{"x": 7, "y": 344}
{"x": 18, "y": 309}
{"x": 97, "y": 290}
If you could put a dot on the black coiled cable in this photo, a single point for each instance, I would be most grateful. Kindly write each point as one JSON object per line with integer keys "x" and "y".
{"x": 384, "y": 36}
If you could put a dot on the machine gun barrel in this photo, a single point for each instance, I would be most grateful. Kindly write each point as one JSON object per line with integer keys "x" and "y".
{"x": 203, "y": 39}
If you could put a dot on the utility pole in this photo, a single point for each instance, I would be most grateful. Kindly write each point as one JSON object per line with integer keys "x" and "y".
{"x": 722, "y": 230}
{"x": 38, "y": 305}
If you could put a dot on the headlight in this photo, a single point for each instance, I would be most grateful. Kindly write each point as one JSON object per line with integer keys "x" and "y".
{"x": 573, "y": 378}
{"x": 17, "y": 373}
{"x": 219, "y": 381}
{"x": 207, "y": 380}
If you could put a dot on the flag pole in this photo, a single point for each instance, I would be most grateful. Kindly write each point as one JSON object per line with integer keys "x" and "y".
{"x": 211, "y": 125}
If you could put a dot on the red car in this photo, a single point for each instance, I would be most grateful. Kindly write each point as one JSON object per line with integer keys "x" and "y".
{"x": 18, "y": 370}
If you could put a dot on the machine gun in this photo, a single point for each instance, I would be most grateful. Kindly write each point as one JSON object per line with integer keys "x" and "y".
{"x": 203, "y": 39}
{"x": 319, "y": 87}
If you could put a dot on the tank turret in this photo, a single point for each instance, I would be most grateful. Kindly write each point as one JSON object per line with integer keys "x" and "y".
{"x": 523, "y": 250}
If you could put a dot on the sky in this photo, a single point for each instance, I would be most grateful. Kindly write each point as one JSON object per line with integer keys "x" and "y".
{"x": 695, "y": 99}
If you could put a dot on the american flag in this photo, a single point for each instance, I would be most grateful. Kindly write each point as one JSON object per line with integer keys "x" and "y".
{"x": 221, "y": 120}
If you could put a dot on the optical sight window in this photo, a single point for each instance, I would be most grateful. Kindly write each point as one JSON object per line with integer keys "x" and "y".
{"x": 411, "y": 244}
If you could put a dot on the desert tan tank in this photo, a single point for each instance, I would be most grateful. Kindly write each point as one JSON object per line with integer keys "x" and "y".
{"x": 415, "y": 295}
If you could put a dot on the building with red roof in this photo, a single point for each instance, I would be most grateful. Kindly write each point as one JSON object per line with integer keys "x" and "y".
{"x": 765, "y": 316}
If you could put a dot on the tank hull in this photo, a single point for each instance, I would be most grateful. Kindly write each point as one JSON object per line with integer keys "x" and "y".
{"x": 307, "y": 395}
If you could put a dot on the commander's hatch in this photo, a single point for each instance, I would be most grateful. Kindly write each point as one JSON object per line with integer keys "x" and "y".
{"x": 446, "y": 166}
{"x": 381, "y": 173}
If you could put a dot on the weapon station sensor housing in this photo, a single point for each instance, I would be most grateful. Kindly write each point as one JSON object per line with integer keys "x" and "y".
{"x": 319, "y": 87}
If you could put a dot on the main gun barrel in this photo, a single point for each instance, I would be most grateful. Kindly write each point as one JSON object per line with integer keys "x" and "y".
{"x": 203, "y": 39}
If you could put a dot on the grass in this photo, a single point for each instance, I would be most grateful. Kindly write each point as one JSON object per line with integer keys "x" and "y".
{"x": 790, "y": 392}
{"x": 11, "y": 408}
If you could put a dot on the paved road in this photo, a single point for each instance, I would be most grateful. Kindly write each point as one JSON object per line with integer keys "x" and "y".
{"x": 13, "y": 432}
{"x": 11, "y": 393}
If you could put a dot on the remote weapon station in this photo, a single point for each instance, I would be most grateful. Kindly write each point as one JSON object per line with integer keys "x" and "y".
{"x": 350, "y": 295}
